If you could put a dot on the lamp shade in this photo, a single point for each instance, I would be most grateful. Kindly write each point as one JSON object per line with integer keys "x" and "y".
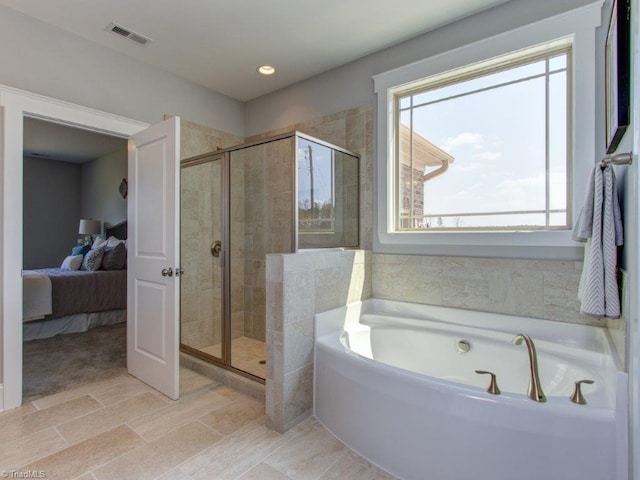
{"x": 89, "y": 227}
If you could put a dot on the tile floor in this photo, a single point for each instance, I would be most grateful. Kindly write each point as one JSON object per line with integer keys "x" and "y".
{"x": 120, "y": 428}
{"x": 246, "y": 355}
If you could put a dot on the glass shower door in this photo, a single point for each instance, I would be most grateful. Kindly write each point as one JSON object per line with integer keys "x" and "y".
{"x": 202, "y": 286}
{"x": 261, "y": 200}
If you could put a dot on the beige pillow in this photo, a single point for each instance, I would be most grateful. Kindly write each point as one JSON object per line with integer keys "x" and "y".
{"x": 72, "y": 262}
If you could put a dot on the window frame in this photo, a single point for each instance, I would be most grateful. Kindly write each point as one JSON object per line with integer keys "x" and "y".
{"x": 580, "y": 25}
{"x": 507, "y": 62}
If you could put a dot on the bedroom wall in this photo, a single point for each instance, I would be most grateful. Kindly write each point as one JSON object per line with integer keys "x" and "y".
{"x": 47, "y": 60}
{"x": 51, "y": 211}
{"x": 99, "y": 182}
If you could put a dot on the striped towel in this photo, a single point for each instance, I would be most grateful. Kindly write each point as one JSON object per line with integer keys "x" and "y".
{"x": 600, "y": 226}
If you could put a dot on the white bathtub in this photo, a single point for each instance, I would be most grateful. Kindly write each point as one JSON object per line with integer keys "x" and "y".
{"x": 391, "y": 383}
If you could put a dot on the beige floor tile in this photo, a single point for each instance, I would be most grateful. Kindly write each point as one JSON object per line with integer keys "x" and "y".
{"x": 158, "y": 457}
{"x": 233, "y": 416}
{"x": 262, "y": 471}
{"x": 87, "y": 476}
{"x": 179, "y": 447}
{"x": 354, "y": 467}
{"x": 49, "y": 417}
{"x": 230, "y": 393}
{"x": 179, "y": 413}
{"x": 192, "y": 382}
{"x": 109, "y": 417}
{"x": 89, "y": 454}
{"x": 121, "y": 391}
{"x": 308, "y": 455}
{"x": 22, "y": 450}
{"x": 17, "y": 412}
{"x": 236, "y": 453}
{"x": 88, "y": 389}
{"x": 174, "y": 474}
{"x": 246, "y": 354}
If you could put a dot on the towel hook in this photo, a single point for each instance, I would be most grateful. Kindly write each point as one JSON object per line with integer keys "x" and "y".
{"x": 617, "y": 159}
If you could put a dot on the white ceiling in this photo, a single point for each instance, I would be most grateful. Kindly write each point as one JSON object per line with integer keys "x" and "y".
{"x": 68, "y": 144}
{"x": 219, "y": 43}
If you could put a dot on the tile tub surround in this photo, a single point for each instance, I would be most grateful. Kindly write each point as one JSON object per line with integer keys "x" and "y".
{"x": 299, "y": 286}
{"x": 545, "y": 289}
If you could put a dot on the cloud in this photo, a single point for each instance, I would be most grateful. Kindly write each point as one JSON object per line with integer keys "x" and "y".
{"x": 538, "y": 180}
{"x": 466, "y": 138}
{"x": 459, "y": 167}
{"x": 494, "y": 174}
{"x": 488, "y": 155}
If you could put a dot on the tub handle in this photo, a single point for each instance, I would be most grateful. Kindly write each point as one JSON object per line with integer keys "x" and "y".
{"x": 576, "y": 396}
{"x": 493, "y": 384}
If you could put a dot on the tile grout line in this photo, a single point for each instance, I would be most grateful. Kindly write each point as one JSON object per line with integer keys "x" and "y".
{"x": 344, "y": 454}
{"x": 67, "y": 445}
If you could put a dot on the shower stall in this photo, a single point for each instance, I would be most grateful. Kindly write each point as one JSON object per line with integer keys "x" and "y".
{"x": 279, "y": 195}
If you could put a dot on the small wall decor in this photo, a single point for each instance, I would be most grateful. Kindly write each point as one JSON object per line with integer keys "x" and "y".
{"x": 123, "y": 188}
{"x": 617, "y": 71}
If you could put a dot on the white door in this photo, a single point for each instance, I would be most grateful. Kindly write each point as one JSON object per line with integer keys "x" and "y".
{"x": 153, "y": 288}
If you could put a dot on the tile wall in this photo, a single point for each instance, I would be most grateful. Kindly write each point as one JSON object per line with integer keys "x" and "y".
{"x": 531, "y": 288}
{"x": 298, "y": 286}
{"x": 201, "y": 285}
{"x": 353, "y": 130}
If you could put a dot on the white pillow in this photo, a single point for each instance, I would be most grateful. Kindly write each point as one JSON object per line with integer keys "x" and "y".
{"x": 113, "y": 241}
{"x": 72, "y": 262}
{"x": 97, "y": 242}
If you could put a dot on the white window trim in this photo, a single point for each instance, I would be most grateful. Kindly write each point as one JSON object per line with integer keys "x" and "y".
{"x": 581, "y": 24}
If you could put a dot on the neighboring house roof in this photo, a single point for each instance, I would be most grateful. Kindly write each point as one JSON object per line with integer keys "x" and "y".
{"x": 425, "y": 153}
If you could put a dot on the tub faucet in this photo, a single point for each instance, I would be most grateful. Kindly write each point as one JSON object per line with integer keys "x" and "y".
{"x": 534, "y": 392}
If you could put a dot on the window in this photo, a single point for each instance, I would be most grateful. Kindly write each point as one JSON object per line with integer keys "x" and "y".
{"x": 575, "y": 28}
{"x": 316, "y": 195}
{"x": 486, "y": 147}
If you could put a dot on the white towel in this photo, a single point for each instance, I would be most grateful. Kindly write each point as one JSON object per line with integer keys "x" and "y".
{"x": 600, "y": 226}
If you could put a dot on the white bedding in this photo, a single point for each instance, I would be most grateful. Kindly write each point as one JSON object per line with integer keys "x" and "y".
{"x": 80, "y": 322}
{"x": 36, "y": 295}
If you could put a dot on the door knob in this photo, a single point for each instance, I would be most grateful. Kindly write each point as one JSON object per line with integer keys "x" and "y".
{"x": 215, "y": 248}
{"x": 167, "y": 272}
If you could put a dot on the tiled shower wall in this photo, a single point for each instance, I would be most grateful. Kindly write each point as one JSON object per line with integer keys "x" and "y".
{"x": 353, "y": 130}
{"x": 299, "y": 286}
{"x": 201, "y": 285}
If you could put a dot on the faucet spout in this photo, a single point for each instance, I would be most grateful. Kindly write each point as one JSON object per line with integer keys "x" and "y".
{"x": 534, "y": 391}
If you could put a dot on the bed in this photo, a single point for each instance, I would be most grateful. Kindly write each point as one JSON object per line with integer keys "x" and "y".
{"x": 68, "y": 301}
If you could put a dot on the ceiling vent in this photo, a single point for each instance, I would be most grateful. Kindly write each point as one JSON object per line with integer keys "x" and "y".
{"x": 127, "y": 33}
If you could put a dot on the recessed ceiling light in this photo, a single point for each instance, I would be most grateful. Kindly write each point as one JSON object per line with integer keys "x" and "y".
{"x": 266, "y": 70}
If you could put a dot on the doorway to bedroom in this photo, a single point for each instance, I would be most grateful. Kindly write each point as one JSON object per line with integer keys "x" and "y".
{"x": 74, "y": 257}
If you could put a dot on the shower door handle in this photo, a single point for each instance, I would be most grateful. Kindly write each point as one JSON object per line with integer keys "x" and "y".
{"x": 216, "y": 247}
